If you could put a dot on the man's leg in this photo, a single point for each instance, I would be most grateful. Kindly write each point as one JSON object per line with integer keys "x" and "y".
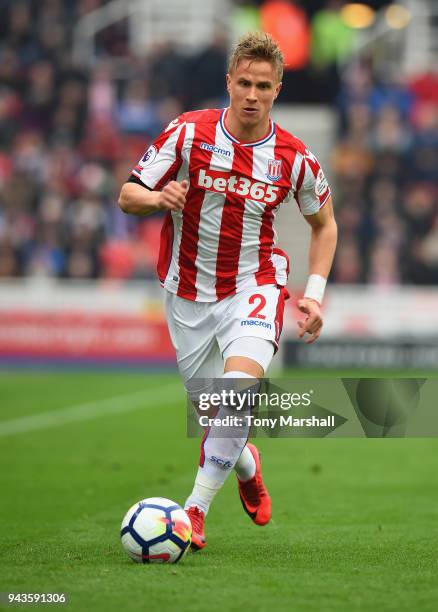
{"x": 254, "y": 355}
{"x": 245, "y": 466}
{"x": 248, "y": 335}
{"x": 251, "y": 356}
{"x": 192, "y": 329}
{"x": 221, "y": 452}
{"x": 221, "y": 447}
{"x": 195, "y": 365}
{"x": 228, "y": 450}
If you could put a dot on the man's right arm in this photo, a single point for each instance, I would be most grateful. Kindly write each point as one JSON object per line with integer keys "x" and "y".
{"x": 136, "y": 199}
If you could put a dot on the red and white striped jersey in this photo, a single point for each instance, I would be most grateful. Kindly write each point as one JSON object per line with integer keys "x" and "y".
{"x": 224, "y": 239}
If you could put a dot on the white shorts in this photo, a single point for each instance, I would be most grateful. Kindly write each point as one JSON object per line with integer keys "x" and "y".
{"x": 202, "y": 331}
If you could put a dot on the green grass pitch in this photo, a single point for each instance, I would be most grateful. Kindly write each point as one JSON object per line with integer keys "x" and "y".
{"x": 355, "y": 522}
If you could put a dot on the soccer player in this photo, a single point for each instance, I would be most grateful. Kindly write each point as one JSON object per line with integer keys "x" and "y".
{"x": 221, "y": 176}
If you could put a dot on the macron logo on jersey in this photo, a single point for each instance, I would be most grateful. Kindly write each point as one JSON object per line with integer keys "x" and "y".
{"x": 255, "y": 322}
{"x": 223, "y": 182}
{"x": 215, "y": 149}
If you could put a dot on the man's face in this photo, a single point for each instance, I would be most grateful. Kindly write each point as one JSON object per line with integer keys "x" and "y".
{"x": 253, "y": 87}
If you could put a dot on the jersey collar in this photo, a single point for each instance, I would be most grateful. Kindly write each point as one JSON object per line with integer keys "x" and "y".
{"x": 246, "y": 144}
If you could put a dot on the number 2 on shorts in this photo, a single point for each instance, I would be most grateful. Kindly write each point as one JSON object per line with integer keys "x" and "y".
{"x": 261, "y": 304}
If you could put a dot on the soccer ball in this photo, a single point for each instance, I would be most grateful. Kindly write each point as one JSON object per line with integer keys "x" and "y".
{"x": 156, "y": 530}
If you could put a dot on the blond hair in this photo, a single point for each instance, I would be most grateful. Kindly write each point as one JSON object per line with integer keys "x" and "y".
{"x": 257, "y": 46}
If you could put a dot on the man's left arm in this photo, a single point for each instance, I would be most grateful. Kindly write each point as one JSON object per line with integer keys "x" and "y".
{"x": 321, "y": 254}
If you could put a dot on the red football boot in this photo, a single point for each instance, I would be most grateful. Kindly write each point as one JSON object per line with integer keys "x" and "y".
{"x": 253, "y": 493}
{"x": 196, "y": 517}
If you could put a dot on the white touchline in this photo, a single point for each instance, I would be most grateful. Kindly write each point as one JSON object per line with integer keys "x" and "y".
{"x": 91, "y": 410}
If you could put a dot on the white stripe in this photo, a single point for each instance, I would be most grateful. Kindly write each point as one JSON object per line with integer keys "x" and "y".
{"x": 187, "y": 145}
{"x": 280, "y": 264}
{"x": 92, "y": 410}
{"x": 296, "y": 171}
{"x": 250, "y": 246}
{"x": 210, "y": 223}
{"x": 260, "y": 160}
{"x": 154, "y": 172}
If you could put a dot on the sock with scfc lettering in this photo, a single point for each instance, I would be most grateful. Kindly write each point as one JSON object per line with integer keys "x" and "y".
{"x": 220, "y": 456}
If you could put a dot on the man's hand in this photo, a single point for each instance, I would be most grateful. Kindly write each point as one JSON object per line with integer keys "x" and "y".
{"x": 313, "y": 322}
{"x": 173, "y": 196}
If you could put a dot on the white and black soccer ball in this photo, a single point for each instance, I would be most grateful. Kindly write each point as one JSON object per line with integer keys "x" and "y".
{"x": 156, "y": 530}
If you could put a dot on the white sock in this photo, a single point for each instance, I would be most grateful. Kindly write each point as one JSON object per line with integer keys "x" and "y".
{"x": 245, "y": 466}
{"x": 219, "y": 458}
{"x": 203, "y": 492}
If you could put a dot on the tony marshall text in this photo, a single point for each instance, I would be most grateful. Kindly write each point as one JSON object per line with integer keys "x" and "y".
{"x": 272, "y": 422}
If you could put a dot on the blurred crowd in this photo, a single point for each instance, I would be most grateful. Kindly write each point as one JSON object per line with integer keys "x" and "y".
{"x": 386, "y": 169}
{"x": 69, "y": 135}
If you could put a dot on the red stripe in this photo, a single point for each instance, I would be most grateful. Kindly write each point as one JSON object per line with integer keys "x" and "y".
{"x": 230, "y": 237}
{"x": 202, "y": 453}
{"x": 266, "y": 271}
{"x": 329, "y": 193}
{"x": 279, "y": 314}
{"x": 199, "y": 158}
{"x": 166, "y": 244}
{"x": 300, "y": 181}
{"x": 266, "y": 240}
{"x": 173, "y": 170}
{"x": 301, "y": 174}
{"x": 313, "y": 165}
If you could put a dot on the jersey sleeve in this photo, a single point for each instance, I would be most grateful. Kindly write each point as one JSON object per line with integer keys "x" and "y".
{"x": 312, "y": 190}
{"x": 163, "y": 159}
